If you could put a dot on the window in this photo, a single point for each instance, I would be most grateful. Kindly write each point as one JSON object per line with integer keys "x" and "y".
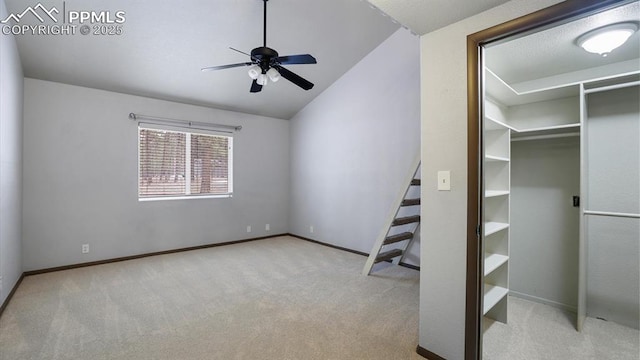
{"x": 176, "y": 163}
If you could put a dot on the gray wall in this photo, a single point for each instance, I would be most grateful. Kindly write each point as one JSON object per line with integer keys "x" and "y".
{"x": 11, "y": 83}
{"x": 444, "y": 147}
{"x": 80, "y": 179}
{"x": 543, "y": 261}
{"x": 613, "y": 184}
{"x": 352, "y": 147}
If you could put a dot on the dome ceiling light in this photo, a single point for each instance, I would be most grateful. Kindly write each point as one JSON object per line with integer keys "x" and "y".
{"x": 605, "y": 39}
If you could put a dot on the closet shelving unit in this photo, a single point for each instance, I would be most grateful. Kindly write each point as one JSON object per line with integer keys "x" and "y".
{"x": 501, "y": 127}
{"x": 514, "y": 115}
{"x": 497, "y": 165}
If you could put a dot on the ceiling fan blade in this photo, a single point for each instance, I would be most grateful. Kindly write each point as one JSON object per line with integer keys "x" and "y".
{"x": 221, "y": 67}
{"x": 297, "y": 59}
{"x": 294, "y": 78}
{"x": 255, "y": 87}
{"x": 240, "y": 51}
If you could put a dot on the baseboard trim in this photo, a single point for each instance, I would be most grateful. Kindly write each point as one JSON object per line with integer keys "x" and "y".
{"x": 329, "y": 245}
{"x": 413, "y": 267}
{"x": 551, "y": 303}
{"x": 139, "y": 256}
{"x": 428, "y": 354}
{"x": 13, "y": 291}
{"x": 409, "y": 266}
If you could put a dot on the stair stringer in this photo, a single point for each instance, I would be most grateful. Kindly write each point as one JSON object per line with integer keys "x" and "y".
{"x": 396, "y": 206}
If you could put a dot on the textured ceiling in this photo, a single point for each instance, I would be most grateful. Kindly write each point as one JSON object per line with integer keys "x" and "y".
{"x": 553, "y": 52}
{"x": 423, "y": 16}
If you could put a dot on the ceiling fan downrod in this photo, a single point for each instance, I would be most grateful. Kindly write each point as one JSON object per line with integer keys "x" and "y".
{"x": 265, "y": 23}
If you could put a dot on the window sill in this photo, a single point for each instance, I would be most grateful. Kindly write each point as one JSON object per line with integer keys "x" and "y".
{"x": 189, "y": 197}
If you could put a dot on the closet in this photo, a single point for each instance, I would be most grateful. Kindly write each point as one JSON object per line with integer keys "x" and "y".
{"x": 561, "y": 197}
{"x": 531, "y": 175}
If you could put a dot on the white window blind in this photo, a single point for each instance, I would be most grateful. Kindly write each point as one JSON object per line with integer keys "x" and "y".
{"x": 174, "y": 163}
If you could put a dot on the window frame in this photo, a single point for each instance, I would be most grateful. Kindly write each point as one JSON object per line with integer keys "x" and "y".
{"x": 188, "y": 131}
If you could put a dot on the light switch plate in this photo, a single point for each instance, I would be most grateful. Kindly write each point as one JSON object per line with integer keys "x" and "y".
{"x": 444, "y": 180}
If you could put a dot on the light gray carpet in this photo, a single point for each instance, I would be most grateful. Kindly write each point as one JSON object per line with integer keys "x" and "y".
{"x": 280, "y": 298}
{"x": 538, "y": 331}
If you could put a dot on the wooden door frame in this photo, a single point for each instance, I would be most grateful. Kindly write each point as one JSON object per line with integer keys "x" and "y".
{"x": 548, "y": 17}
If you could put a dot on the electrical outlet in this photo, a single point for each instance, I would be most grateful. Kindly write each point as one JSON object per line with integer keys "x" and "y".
{"x": 311, "y": 229}
{"x": 267, "y": 227}
{"x": 248, "y": 228}
{"x": 85, "y": 248}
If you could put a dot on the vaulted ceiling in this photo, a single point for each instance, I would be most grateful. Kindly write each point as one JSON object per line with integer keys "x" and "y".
{"x": 423, "y": 16}
{"x": 164, "y": 45}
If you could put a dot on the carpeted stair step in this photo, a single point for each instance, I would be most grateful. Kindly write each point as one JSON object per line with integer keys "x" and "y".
{"x": 406, "y": 220}
{"x": 410, "y": 202}
{"x": 388, "y": 255}
{"x": 398, "y": 237}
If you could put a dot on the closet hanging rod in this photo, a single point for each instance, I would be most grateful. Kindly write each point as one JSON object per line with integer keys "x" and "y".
{"x": 134, "y": 117}
{"x": 610, "y": 213}
{"x": 612, "y": 87}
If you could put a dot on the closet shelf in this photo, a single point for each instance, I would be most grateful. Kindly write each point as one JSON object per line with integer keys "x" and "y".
{"x": 493, "y": 261}
{"x": 495, "y": 158}
{"x": 492, "y": 295}
{"x": 493, "y": 227}
{"x": 494, "y": 193}
{"x": 547, "y": 131}
{"x": 493, "y": 124}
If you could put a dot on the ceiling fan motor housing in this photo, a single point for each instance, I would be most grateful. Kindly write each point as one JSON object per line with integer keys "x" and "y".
{"x": 264, "y": 56}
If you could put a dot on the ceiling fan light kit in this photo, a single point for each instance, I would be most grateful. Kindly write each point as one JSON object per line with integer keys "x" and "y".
{"x": 254, "y": 71}
{"x": 273, "y": 75}
{"x": 266, "y": 64}
{"x": 262, "y": 80}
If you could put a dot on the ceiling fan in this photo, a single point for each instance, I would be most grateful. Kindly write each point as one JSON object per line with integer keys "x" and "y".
{"x": 266, "y": 64}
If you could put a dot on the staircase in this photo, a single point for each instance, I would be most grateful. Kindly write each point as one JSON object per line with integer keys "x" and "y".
{"x": 402, "y": 224}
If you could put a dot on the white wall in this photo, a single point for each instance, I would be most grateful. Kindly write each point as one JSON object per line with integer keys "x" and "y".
{"x": 80, "y": 179}
{"x": 352, "y": 147}
{"x": 444, "y": 147}
{"x": 11, "y": 83}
